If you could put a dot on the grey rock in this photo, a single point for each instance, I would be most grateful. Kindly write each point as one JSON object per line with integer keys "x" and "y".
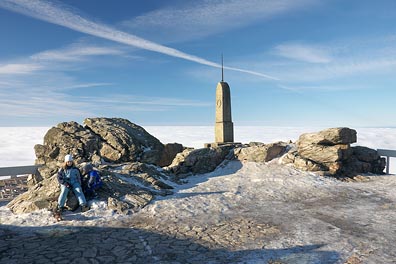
{"x": 124, "y": 141}
{"x": 148, "y": 175}
{"x": 33, "y": 179}
{"x": 65, "y": 138}
{"x": 169, "y": 153}
{"x": 289, "y": 157}
{"x": 366, "y": 160}
{"x": 307, "y": 165}
{"x": 260, "y": 152}
{"x": 118, "y": 206}
{"x": 331, "y": 136}
{"x": 42, "y": 195}
{"x": 329, "y": 151}
{"x": 324, "y": 154}
{"x": 365, "y": 154}
{"x": 199, "y": 161}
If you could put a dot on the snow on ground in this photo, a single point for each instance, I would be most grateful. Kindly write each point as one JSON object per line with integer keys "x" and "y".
{"x": 307, "y": 209}
{"x": 341, "y": 217}
{"x": 304, "y": 209}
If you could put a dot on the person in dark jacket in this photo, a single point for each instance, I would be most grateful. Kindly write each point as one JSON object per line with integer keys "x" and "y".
{"x": 69, "y": 178}
{"x": 91, "y": 181}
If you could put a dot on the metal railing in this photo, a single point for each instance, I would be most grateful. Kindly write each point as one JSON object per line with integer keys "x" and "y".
{"x": 20, "y": 170}
{"x": 387, "y": 153}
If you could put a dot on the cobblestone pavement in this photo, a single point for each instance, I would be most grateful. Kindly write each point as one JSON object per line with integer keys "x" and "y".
{"x": 138, "y": 240}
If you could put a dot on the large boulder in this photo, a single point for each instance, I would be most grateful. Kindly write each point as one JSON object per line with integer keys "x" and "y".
{"x": 123, "y": 141}
{"x": 330, "y": 137}
{"x": 365, "y": 160}
{"x": 101, "y": 140}
{"x": 330, "y": 152}
{"x": 42, "y": 195}
{"x": 197, "y": 161}
{"x": 325, "y": 154}
{"x": 327, "y": 146}
{"x": 259, "y": 152}
{"x": 169, "y": 153}
{"x": 65, "y": 138}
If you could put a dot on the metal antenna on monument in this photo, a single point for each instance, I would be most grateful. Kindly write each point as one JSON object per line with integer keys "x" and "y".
{"x": 222, "y": 68}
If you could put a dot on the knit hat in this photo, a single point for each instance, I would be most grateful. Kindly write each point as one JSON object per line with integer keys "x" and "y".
{"x": 87, "y": 168}
{"x": 68, "y": 157}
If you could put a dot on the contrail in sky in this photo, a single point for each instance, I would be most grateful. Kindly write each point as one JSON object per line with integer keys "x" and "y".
{"x": 66, "y": 17}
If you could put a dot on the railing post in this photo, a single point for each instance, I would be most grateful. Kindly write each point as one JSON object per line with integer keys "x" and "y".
{"x": 387, "y": 164}
{"x": 387, "y": 153}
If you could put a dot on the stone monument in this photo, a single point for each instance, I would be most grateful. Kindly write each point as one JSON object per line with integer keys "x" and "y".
{"x": 224, "y": 128}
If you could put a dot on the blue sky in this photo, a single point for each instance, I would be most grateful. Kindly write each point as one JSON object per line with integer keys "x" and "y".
{"x": 288, "y": 62}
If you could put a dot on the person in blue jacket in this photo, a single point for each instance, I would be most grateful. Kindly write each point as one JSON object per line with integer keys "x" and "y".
{"x": 69, "y": 178}
{"x": 92, "y": 181}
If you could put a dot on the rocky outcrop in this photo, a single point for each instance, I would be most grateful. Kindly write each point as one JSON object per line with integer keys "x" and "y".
{"x": 330, "y": 151}
{"x": 123, "y": 141}
{"x": 365, "y": 160}
{"x": 124, "y": 153}
{"x": 260, "y": 152}
{"x": 65, "y": 138}
{"x": 197, "y": 161}
{"x": 40, "y": 196}
{"x": 100, "y": 141}
{"x": 127, "y": 158}
{"x": 125, "y": 187}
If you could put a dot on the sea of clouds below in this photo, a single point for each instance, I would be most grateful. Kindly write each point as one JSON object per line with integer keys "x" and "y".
{"x": 17, "y": 143}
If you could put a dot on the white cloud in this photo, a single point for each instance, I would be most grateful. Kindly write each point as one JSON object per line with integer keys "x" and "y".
{"x": 204, "y": 18}
{"x": 352, "y": 67}
{"x": 339, "y": 69}
{"x": 87, "y": 85}
{"x": 19, "y": 68}
{"x": 115, "y": 99}
{"x": 75, "y": 53}
{"x": 52, "y": 60}
{"x": 50, "y": 97}
{"x": 339, "y": 59}
{"x": 64, "y": 16}
{"x": 63, "y": 106}
{"x": 304, "y": 53}
{"x": 320, "y": 88}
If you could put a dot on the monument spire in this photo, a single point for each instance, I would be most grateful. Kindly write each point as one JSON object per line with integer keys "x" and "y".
{"x": 222, "y": 68}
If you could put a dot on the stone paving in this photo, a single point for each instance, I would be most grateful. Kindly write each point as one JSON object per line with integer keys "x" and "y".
{"x": 143, "y": 243}
{"x": 142, "y": 240}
